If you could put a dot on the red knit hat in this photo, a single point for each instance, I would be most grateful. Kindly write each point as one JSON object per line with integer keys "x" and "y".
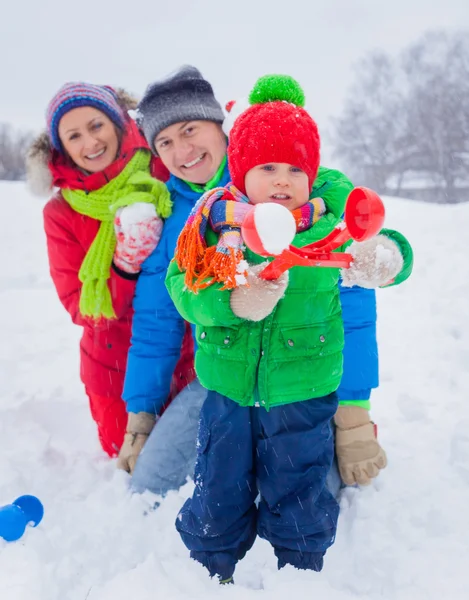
{"x": 275, "y": 128}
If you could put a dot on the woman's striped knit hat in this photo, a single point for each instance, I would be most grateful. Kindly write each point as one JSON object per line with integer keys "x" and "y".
{"x": 74, "y": 95}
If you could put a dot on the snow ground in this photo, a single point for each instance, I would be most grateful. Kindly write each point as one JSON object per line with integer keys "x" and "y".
{"x": 404, "y": 538}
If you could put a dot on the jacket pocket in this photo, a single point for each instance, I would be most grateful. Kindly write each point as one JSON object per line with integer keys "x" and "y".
{"x": 313, "y": 340}
{"x": 217, "y": 339}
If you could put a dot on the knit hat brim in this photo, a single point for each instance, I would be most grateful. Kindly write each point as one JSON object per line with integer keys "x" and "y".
{"x": 76, "y": 95}
{"x": 182, "y": 113}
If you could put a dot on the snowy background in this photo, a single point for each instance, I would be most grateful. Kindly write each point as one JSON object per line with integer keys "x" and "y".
{"x": 404, "y": 538}
{"x": 42, "y": 45}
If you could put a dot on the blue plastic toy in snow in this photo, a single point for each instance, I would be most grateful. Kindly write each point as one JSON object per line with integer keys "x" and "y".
{"x": 25, "y": 510}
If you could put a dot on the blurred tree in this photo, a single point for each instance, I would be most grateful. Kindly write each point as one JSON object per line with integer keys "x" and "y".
{"x": 13, "y": 146}
{"x": 408, "y": 118}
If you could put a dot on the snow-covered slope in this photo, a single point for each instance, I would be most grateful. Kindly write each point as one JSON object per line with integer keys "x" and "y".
{"x": 404, "y": 538}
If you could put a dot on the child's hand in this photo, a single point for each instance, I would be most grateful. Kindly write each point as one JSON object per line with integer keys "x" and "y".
{"x": 376, "y": 262}
{"x": 138, "y": 231}
{"x": 359, "y": 454}
{"x": 257, "y": 301}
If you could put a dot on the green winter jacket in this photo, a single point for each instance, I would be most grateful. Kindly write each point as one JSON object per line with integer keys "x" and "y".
{"x": 296, "y": 352}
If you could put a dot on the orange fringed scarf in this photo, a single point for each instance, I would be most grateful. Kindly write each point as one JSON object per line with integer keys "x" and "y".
{"x": 224, "y": 209}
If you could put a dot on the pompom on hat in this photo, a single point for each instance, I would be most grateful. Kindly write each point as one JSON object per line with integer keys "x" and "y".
{"x": 75, "y": 95}
{"x": 274, "y": 128}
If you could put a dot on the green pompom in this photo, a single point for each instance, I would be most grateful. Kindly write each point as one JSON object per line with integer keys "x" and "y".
{"x": 272, "y": 88}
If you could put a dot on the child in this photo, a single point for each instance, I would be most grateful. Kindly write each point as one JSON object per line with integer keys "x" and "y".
{"x": 270, "y": 353}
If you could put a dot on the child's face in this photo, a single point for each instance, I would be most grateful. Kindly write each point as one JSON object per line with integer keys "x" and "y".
{"x": 277, "y": 182}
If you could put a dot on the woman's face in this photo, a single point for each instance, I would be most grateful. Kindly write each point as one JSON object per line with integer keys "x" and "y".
{"x": 90, "y": 138}
{"x": 192, "y": 150}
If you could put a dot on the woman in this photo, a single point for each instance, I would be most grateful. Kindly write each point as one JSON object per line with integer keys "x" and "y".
{"x": 102, "y": 223}
{"x": 182, "y": 123}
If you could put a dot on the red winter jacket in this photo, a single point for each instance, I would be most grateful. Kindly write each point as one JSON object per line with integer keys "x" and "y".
{"x": 104, "y": 345}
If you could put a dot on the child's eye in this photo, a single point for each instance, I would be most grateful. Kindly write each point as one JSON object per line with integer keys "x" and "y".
{"x": 268, "y": 168}
{"x": 296, "y": 170}
{"x": 74, "y": 136}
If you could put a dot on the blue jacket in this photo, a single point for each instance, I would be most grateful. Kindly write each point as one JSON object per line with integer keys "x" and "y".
{"x": 158, "y": 329}
{"x": 361, "y": 349}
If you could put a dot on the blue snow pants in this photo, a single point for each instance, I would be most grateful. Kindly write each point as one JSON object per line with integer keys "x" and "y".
{"x": 283, "y": 454}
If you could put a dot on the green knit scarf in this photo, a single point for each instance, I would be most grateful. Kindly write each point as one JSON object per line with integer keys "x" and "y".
{"x": 133, "y": 184}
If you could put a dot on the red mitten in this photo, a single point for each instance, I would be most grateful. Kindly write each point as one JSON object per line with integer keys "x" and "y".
{"x": 138, "y": 231}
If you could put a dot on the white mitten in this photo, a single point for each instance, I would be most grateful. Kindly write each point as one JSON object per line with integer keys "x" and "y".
{"x": 376, "y": 262}
{"x": 257, "y": 301}
{"x": 138, "y": 230}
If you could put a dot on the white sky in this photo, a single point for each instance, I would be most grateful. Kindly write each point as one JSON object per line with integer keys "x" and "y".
{"x": 45, "y": 43}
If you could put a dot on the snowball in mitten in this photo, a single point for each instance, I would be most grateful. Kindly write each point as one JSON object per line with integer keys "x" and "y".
{"x": 376, "y": 262}
{"x": 138, "y": 231}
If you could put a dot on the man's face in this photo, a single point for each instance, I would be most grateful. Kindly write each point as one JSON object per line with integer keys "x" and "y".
{"x": 192, "y": 150}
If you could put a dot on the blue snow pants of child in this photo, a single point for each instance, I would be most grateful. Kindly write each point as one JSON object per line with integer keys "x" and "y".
{"x": 284, "y": 454}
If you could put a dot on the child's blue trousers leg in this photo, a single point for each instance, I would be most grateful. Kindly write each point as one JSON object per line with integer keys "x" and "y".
{"x": 295, "y": 449}
{"x": 286, "y": 453}
{"x": 218, "y": 524}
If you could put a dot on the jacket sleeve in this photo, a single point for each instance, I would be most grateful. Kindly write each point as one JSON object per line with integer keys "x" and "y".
{"x": 209, "y": 307}
{"x": 66, "y": 255}
{"x": 407, "y": 255}
{"x": 360, "y": 373}
{"x": 359, "y": 315}
{"x": 361, "y": 349}
{"x": 157, "y": 331}
{"x": 334, "y": 187}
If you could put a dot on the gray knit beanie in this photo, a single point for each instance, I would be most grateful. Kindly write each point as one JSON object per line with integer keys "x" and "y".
{"x": 183, "y": 96}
